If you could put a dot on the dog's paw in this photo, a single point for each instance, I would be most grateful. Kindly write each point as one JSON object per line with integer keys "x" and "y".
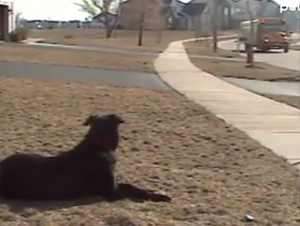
{"x": 160, "y": 198}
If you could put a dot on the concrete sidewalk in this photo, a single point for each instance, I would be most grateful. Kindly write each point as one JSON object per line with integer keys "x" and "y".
{"x": 273, "y": 124}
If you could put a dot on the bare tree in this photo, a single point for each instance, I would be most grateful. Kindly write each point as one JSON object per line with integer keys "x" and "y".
{"x": 103, "y": 12}
{"x": 146, "y": 7}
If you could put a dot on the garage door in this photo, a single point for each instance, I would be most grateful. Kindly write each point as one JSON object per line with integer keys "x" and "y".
{"x": 3, "y": 21}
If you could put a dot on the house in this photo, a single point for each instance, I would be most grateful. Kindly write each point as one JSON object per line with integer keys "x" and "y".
{"x": 153, "y": 12}
{"x": 186, "y": 16}
{"x": 7, "y": 23}
{"x": 196, "y": 14}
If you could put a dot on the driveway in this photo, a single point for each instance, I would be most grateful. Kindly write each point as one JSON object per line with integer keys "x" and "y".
{"x": 78, "y": 74}
{"x": 290, "y": 60}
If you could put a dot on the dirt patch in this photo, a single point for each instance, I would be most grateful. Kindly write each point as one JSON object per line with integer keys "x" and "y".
{"x": 292, "y": 101}
{"x": 125, "y": 39}
{"x": 215, "y": 173}
{"x": 237, "y": 69}
{"x": 22, "y": 53}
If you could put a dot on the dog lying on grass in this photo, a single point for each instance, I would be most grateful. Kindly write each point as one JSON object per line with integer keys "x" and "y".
{"x": 87, "y": 170}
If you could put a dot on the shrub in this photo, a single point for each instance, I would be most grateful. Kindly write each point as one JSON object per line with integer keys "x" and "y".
{"x": 23, "y": 33}
{"x": 68, "y": 36}
{"x": 19, "y": 34}
{"x": 13, "y": 36}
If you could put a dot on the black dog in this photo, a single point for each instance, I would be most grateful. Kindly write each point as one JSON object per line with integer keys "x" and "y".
{"x": 87, "y": 170}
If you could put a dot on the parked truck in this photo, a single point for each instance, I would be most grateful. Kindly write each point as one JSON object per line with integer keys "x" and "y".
{"x": 268, "y": 33}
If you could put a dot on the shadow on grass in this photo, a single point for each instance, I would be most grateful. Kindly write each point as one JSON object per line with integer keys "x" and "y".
{"x": 118, "y": 221}
{"x": 17, "y": 206}
{"x": 129, "y": 191}
{"x": 257, "y": 51}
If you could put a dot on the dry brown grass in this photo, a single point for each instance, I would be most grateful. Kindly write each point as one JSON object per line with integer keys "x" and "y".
{"x": 236, "y": 69}
{"x": 21, "y": 53}
{"x": 214, "y": 173}
{"x": 126, "y": 39}
{"x": 204, "y": 47}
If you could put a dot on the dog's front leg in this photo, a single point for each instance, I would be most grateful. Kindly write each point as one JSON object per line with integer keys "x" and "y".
{"x": 132, "y": 192}
{"x": 108, "y": 187}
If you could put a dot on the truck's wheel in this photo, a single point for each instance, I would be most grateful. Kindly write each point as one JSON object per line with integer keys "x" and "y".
{"x": 246, "y": 46}
{"x": 264, "y": 49}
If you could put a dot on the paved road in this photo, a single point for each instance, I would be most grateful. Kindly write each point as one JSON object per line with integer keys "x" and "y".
{"x": 77, "y": 74}
{"x": 265, "y": 87}
{"x": 290, "y": 60}
{"x": 118, "y": 51}
{"x": 93, "y": 49}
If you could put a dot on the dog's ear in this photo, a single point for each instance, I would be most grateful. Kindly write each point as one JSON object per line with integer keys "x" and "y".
{"x": 89, "y": 121}
{"x": 116, "y": 119}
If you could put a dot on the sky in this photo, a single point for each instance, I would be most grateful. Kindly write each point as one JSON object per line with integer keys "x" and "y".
{"x": 67, "y": 10}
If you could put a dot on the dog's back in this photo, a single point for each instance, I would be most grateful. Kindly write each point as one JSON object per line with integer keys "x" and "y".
{"x": 34, "y": 177}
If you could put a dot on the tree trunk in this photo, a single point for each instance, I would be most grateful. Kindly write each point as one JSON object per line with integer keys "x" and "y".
{"x": 109, "y": 31}
{"x": 215, "y": 26}
{"x": 141, "y": 24}
{"x": 140, "y": 36}
{"x": 250, "y": 54}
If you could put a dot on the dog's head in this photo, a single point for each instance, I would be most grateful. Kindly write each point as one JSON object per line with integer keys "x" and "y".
{"x": 97, "y": 121}
{"x": 104, "y": 130}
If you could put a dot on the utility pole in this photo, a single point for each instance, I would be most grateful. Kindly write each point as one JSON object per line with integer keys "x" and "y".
{"x": 214, "y": 16}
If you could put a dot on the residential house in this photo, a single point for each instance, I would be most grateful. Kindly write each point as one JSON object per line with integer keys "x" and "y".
{"x": 196, "y": 14}
{"x": 152, "y": 12}
{"x": 6, "y": 19}
{"x": 186, "y": 16}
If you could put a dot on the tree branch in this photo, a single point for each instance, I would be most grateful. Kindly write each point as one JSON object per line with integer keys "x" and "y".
{"x": 86, "y": 8}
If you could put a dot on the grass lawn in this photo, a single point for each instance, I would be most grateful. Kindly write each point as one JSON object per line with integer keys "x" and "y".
{"x": 236, "y": 69}
{"x": 126, "y": 39}
{"x": 295, "y": 47}
{"x": 92, "y": 59}
{"x": 289, "y": 100}
{"x": 215, "y": 173}
{"x": 80, "y": 58}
